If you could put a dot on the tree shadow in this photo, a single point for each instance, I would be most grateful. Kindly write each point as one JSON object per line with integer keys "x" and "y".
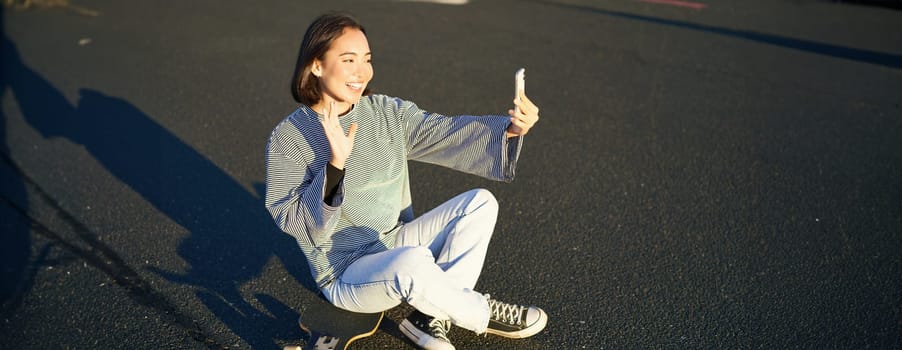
{"x": 232, "y": 236}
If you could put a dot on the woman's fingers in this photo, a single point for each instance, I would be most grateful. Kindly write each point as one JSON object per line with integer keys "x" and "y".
{"x": 331, "y": 122}
{"x": 526, "y": 106}
{"x": 524, "y": 116}
{"x": 332, "y": 110}
{"x": 531, "y": 116}
{"x": 340, "y": 143}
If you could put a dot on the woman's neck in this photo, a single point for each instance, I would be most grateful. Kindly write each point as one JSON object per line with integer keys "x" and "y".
{"x": 322, "y": 107}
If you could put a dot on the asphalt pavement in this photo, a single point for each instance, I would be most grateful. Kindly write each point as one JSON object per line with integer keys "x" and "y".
{"x": 705, "y": 175}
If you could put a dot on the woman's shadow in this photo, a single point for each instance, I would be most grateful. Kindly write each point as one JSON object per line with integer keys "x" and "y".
{"x": 231, "y": 237}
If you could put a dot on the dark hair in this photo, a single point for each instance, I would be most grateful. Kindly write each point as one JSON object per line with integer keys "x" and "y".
{"x": 317, "y": 40}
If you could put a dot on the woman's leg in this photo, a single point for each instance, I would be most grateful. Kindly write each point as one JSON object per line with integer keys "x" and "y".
{"x": 457, "y": 232}
{"x": 381, "y": 281}
{"x": 434, "y": 267}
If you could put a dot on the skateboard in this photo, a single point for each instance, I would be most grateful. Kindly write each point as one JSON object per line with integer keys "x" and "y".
{"x": 331, "y": 328}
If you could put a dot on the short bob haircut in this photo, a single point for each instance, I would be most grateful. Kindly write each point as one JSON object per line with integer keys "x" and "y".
{"x": 317, "y": 40}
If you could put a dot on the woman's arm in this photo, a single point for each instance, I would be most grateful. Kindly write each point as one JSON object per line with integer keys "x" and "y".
{"x": 477, "y": 145}
{"x": 295, "y": 192}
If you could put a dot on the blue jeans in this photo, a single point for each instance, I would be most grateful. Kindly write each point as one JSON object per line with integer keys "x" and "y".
{"x": 434, "y": 265}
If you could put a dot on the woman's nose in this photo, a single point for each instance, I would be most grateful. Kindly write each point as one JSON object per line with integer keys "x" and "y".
{"x": 363, "y": 70}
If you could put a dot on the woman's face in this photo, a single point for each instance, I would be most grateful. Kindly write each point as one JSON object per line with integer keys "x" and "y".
{"x": 344, "y": 71}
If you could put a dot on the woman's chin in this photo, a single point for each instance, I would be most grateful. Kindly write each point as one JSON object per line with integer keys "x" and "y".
{"x": 353, "y": 99}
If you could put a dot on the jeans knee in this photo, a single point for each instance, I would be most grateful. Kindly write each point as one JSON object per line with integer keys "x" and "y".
{"x": 484, "y": 200}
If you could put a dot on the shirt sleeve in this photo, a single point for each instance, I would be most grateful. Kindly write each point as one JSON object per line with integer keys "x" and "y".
{"x": 295, "y": 193}
{"x": 476, "y": 145}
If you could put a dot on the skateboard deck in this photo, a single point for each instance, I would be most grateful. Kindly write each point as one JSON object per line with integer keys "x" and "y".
{"x": 331, "y": 328}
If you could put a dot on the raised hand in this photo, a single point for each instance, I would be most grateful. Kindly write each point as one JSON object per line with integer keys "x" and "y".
{"x": 523, "y": 118}
{"x": 340, "y": 143}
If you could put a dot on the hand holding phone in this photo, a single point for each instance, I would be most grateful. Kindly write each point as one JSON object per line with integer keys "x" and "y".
{"x": 521, "y": 119}
{"x": 519, "y": 86}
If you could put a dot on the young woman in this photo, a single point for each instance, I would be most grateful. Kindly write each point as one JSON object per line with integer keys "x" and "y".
{"x": 337, "y": 181}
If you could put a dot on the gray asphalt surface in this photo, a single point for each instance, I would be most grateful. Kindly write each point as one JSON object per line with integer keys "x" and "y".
{"x": 723, "y": 177}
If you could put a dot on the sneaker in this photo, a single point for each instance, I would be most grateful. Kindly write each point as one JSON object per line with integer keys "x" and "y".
{"x": 427, "y": 332}
{"x": 514, "y": 321}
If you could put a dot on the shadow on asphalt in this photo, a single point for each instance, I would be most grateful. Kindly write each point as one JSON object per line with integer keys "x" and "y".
{"x": 15, "y": 242}
{"x": 232, "y": 236}
{"x": 859, "y": 55}
{"x": 891, "y": 4}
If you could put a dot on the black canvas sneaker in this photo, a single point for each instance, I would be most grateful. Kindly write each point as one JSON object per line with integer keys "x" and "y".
{"x": 514, "y": 321}
{"x": 427, "y": 332}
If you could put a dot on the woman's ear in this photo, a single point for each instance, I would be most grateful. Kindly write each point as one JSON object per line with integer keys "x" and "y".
{"x": 316, "y": 69}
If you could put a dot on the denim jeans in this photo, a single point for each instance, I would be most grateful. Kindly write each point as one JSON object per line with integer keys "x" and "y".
{"x": 433, "y": 267}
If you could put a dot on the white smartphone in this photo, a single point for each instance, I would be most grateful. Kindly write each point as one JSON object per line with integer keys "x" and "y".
{"x": 519, "y": 85}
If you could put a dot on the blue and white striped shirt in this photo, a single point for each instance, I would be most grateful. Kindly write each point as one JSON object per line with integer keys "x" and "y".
{"x": 373, "y": 199}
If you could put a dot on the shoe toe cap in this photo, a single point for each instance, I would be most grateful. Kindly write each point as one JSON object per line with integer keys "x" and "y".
{"x": 436, "y": 344}
{"x": 535, "y": 315}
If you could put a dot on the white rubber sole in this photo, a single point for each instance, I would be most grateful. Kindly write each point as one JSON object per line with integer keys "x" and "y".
{"x": 423, "y": 340}
{"x": 527, "y": 332}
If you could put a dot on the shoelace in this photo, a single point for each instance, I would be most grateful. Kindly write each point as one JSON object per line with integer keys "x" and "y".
{"x": 506, "y": 313}
{"x": 439, "y": 328}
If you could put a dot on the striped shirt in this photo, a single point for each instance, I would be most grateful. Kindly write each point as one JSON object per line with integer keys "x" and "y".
{"x": 373, "y": 199}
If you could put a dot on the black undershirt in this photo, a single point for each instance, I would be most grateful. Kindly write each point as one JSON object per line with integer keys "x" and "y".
{"x": 333, "y": 178}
